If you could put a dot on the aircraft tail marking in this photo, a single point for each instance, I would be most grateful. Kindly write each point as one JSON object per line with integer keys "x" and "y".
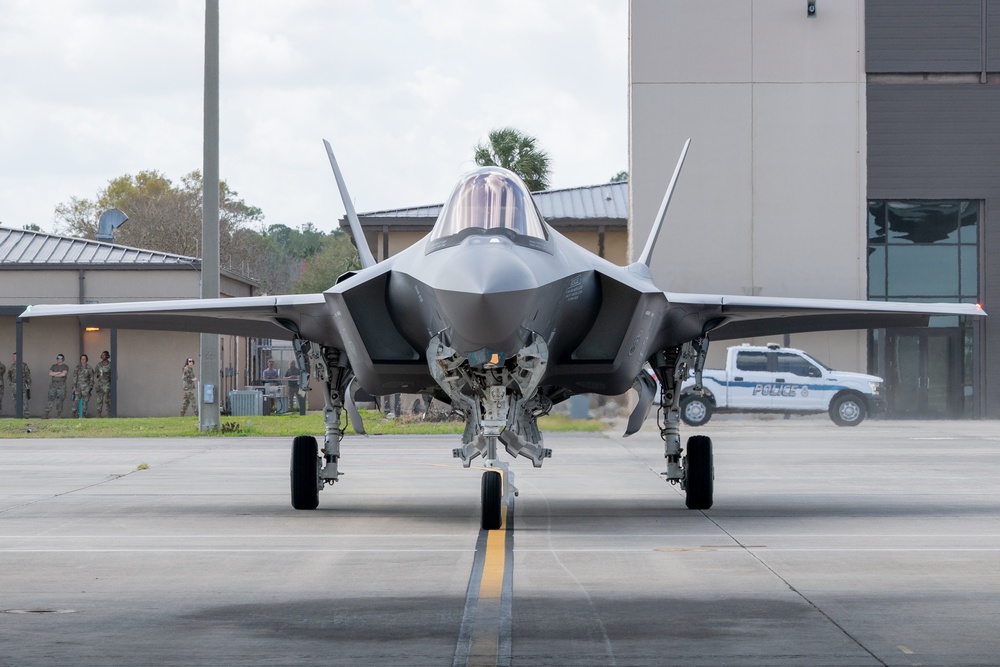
{"x": 352, "y": 217}
{"x": 647, "y": 251}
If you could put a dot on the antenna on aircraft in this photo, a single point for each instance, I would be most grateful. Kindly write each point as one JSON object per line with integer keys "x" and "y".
{"x": 647, "y": 252}
{"x": 352, "y": 217}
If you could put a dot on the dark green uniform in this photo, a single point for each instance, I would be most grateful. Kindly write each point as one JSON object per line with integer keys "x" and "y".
{"x": 189, "y": 387}
{"x": 12, "y": 381}
{"x": 102, "y": 387}
{"x": 3, "y": 373}
{"x": 57, "y": 388}
{"x": 83, "y": 385}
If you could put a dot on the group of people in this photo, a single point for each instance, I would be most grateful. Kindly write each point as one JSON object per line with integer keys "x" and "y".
{"x": 272, "y": 376}
{"x": 84, "y": 381}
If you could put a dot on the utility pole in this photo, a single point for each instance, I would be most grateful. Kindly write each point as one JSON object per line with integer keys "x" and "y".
{"x": 208, "y": 415}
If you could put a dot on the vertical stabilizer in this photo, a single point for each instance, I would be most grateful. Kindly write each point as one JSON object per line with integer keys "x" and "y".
{"x": 647, "y": 251}
{"x": 359, "y": 237}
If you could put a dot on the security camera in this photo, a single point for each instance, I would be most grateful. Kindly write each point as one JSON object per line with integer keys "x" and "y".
{"x": 811, "y": 8}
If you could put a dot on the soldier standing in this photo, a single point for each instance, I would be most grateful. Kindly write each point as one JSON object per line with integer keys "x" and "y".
{"x": 83, "y": 385}
{"x": 25, "y": 379}
{"x": 189, "y": 386}
{"x": 102, "y": 384}
{"x": 3, "y": 372}
{"x": 57, "y": 386}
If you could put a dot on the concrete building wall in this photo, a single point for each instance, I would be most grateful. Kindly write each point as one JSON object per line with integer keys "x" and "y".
{"x": 773, "y": 194}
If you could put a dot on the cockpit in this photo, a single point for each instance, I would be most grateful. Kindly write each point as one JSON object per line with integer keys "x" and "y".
{"x": 489, "y": 200}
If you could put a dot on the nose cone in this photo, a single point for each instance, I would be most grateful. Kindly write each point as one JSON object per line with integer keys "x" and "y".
{"x": 486, "y": 299}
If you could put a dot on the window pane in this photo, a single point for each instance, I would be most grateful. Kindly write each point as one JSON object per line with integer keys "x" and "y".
{"x": 923, "y": 271}
{"x": 876, "y": 271}
{"x": 876, "y": 222}
{"x": 796, "y": 365}
{"x": 969, "y": 222}
{"x": 751, "y": 361}
{"x": 970, "y": 270}
{"x": 922, "y": 222}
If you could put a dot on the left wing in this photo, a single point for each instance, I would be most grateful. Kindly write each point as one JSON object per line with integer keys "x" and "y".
{"x": 725, "y": 317}
{"x": 281, "y": 317}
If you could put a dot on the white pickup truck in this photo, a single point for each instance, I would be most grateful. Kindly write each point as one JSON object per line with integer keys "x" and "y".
{"x": 780, "y": 379}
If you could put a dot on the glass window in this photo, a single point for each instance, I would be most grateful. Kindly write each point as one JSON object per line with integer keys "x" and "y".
{"x": 876, "y": 271}
{"x": 751, "y": 361}
{"x": 796, "y": 365}
{"x": 923, "y": 250}
{"x": 923, "y": 270}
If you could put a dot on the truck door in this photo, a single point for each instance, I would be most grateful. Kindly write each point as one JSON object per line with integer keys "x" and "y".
{"x": 750, "y": 382}
{"x": 801, "y": 384}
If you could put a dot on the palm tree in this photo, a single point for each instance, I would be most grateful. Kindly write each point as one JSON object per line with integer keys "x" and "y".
{"x": 510, "y": 149}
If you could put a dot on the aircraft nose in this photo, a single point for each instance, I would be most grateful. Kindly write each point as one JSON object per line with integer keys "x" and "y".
{"x": 489, "y": 298}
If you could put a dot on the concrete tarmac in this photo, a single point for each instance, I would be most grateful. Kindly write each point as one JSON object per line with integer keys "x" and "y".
{"x": 874, "y": 545}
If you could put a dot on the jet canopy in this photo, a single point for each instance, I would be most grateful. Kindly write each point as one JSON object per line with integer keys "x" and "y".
{"x": 486, "y": 201}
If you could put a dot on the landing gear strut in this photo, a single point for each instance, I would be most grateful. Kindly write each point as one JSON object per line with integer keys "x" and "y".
{"x": 695, "y": 472}
{"x": 312, "y": 468}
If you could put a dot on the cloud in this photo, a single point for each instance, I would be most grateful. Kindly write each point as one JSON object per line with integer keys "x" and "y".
{"x": 93, "y": 89}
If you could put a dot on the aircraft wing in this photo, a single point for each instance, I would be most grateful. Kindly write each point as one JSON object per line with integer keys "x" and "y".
{"x": 731, "y": 317}
{"x": 262, "y": 316}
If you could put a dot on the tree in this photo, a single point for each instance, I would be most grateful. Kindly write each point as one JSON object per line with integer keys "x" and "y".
{"x": 620, "y": 177}
{"x": 510, "y": 149}
{"x": 321, "y": 271}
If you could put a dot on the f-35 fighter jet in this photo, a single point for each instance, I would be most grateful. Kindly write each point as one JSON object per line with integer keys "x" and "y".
{"x": 502, "y": 317}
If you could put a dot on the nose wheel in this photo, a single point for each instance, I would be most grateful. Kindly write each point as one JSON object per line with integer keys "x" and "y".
{"x": 492, "y": 493}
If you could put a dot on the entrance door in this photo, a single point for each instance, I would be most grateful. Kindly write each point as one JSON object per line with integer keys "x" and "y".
{"x": 925, "y": 378}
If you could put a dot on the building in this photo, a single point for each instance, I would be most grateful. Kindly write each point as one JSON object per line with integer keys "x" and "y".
{"x": 848, "y": 152}
{"x": 37, "y": 268}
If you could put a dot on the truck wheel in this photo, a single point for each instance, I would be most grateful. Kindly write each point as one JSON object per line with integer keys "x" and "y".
{"x": 848, "y": 410}
{"x": 695, "y": 410}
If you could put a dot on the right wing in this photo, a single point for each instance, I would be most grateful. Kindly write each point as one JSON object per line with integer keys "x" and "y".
{"x": 281, "y": 317}
{"x": 726, "y": 317}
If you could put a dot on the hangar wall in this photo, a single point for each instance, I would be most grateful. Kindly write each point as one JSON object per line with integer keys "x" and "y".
{"x": 773, "y": 190}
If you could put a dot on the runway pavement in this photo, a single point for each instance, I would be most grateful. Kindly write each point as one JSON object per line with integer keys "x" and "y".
{"x": 875, "y": 545}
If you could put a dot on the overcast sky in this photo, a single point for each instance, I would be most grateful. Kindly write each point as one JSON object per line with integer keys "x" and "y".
{"x": 94, "y": 89}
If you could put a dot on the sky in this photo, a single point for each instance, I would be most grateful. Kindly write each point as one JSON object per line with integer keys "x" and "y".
{"x": 91, "y": 90}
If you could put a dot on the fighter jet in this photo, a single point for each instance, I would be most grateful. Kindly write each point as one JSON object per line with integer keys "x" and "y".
{"x": 499, "y": 315}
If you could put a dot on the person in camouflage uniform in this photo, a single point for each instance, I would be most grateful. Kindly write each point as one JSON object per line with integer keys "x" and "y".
{"x": 83, "y": 386}
{"x": 102, "y": 384}
{"x": 12, "y": 381}
{"x": 57, "y": 386}
{"x": 189, "y": 386}
{"x": 3, "y": 373}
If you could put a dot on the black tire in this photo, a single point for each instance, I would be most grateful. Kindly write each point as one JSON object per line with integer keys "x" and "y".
{"x": 305, "y": 473}
{"x": 492, "y": 500}
{"x": 848, "y": 410}
{"x": 695, "y": 410}
{"x": 699, "y": 473}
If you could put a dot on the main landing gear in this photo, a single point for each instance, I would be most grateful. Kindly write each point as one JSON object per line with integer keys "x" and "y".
{"x": 311, "y": 468}
{"x": 695, "y": 472}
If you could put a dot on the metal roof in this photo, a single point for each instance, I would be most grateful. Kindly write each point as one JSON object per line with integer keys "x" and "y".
{"x": 585, "y": 206}
{"x": 22, "y": 247}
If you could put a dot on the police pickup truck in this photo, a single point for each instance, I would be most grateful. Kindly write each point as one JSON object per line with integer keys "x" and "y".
{"x": 780, "y": 379}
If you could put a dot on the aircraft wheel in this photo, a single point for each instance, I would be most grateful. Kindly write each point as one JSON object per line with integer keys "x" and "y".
{"x": 848, "y": 410}
{"x": 699, "y": 473}
{"x": 492, "y": 499}
{"x": 305, "y": 473}
{"x": 695, "y": 410}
